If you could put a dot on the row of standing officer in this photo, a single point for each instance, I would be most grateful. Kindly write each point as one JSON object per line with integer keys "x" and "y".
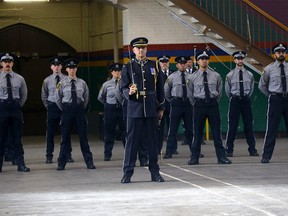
{"x": 54, "y": 113}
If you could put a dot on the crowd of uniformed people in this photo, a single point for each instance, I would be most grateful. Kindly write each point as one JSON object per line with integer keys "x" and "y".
{"x": 141, "y": 100}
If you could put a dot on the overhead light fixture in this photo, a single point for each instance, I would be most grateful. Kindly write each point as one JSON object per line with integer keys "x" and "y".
{"x": 26, "y": 1}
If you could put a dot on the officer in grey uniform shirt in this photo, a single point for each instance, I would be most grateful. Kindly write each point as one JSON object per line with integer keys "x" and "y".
{"x": 113, "y": 115}
{"x": 72, "y": 98}
{"x": 164, "y": 123}
{"x": 13, "y": 95}
{"x": 176, "y": 93}
{"x": 206, "y": 87}
{"x": 53, "y": 111}
{"x": 273, "y": 83}
{"x": 239, "y": 86}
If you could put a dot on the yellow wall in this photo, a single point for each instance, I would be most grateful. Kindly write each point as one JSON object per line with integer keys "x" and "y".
{"x": 84, "y": 26}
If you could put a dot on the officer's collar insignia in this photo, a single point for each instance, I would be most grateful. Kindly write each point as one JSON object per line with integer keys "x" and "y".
{"x": 141, "y": 62}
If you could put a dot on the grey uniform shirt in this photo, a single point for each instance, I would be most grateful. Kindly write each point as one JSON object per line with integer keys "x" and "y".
{"x": 197, "y": 84}
{"x": 48, "y": 91}
{"x": 63, "y": 93}
{"x": 107, "y": 93}
{"x": 270, "y": 80}
{"x": 173, "y": 86}
{"x": 19, "y": 87}
{"x": 232, "y": 84}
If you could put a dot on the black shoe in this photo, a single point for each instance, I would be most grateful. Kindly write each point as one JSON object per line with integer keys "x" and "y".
{"x": 107, "y": 158}
{"x": 0, "y": 169}
{"x": 125, "y": 179}
{"x": 60, "y": 167}
{"x": 201, "y": 156}
{"x": 157, "y": 178}
{"x": 224, "y": 161}
{"x": 144, "y": 164}
{"x": 229, "y": 154}
{"x": 193, "y": 162}
{"x": 23, "y": 168}
{"x": 167, "y": 156}
{"x": 175, "y": 152}
{"x": 265, "y": 160}
{"x": 91, "y": 166}
{"x": 70, "y": 160}
{"x": 255, "y": 154}
{"x": 49, "y": 161}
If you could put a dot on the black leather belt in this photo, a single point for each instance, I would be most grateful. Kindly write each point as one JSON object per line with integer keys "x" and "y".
{"x": 203, "y": 100}
{"x": 180, "y": 98}
{"x": 239, "y": 97}
{"x": 8, "y": 101}
{"x": 279, "y": 94}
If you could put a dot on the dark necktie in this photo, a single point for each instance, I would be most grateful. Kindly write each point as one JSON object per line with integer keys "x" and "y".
{"x": 57, "y": 79}
{"x": 73, "y": 92}
{"x": 283, "y": 78}
{"x": 9, "y": 88}
{"x": 184, "y": 87}
{"x": 206, "y": 87}
{"x": 241, "y": 84}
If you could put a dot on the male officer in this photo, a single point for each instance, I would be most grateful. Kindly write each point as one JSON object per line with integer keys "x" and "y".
{"x": 239, "y": 86}
{"x": 165, "y": 72}
{"x": 273, "y": 83}
{"x": 113, "y": 115}
{"x": 53, "y": 112}
{"x": 12, "y": 97}
{"x": 143, "y": 88}
{"x": 206, "y": 87}
{"x": 180, "y": 99}
{"x": 72, "y": 97}
{"x": 190, "y": 68}
{"x": 142, "y": 151}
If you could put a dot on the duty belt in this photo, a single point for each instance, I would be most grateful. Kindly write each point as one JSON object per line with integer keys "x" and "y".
{"x": 280, "y": 94}
{"x": 144, "y": 93}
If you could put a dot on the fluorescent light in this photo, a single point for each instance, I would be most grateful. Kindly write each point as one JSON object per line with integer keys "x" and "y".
{"x": 26, "y": 0}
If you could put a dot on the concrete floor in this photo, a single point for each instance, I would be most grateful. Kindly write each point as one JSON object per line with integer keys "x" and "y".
{"x": 245, "y": 187}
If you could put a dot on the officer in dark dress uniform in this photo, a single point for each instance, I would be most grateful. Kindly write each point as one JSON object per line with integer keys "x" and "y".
{"x": 13, "y": 95}
{"x": 164, "y": 123}
{"x": 53, "y": 112}
{"x": 206, "y": 87}
{"x": 142, "y": 151}
{"x": 72, "y": 97}
{"x": 176, "y": 92}
{"x": 113, "y": 115}
{"x": 273, "y": 83}
{"x": 143, "y": 88}
{"x": 239, "y": 86}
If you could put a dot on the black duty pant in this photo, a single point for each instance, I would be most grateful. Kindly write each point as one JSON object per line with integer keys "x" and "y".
{"x": 74, "y": 114}
{"x": 53, "y": 121}
{"x": 11, "y": 118}
{"x": 113, "y": 117}
{"x": 207, "y": 109}
{"x": 179, "y": 110}
{"x": 137, "y": 128}
{"x": 277, "y": 107}
{"x": 240, "y": 106}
